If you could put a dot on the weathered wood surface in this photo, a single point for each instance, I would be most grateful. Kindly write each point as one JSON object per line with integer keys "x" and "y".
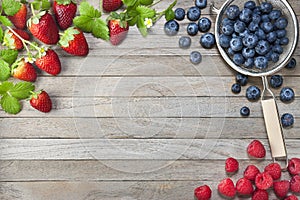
{"x": 137, "y": 121}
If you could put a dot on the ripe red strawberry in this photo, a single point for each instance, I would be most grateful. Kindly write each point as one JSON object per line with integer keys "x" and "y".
{"x": 12, "y": 41}
{"x": 118, "y": 30}
{"x": 41, "y": 101}
{"x": 294, "y": 166}
{"x": 203, "y": 192}
{"x": 43, "y": 27}
{"x": 274, "y": 170}
{"x": 250, "y": 172}
{"x": 111, "y": 5}
{"x": 263, "y": 181}
{"x": 226, "y": 188}
{"x": 50, "y": 62}
{"x": 244, "y": 187}
{"x": 64, "y": 12}
{"x": 73, "y": 42}
{"x": 295, "y": 184}
{"x": 19, "y": 19}
{"x": 24, "y": 71}
{"x": 281, "y": 188}
{"x": 231, "y": 165}
{"x": 291, "y": 197}
{"x": 260, "y": 195}
{"x": 256, "y": 149}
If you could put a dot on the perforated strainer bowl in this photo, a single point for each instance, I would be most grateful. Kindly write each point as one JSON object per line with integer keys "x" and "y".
{"x": 269, "y": 106}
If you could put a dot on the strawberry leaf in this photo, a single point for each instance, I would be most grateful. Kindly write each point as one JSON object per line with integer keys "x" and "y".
{"x": 5, "y": 86}
{"x": 129, "y": 3}
{"x": 85, "y": 23}
{"x": 11, "y": 7}
{"x": 142, "y": 27}
{"x": 86, "y": 9}
{"x": 10, "y": 104}
{"x": 5, "y": 21}
{"x": 145, "y": 12}
{"x": 4, "y": 70}
{"x": 22, "y": 90}
{"x": 100, "y": 29}
{"x": 1, "y": 35}
{"x": 9, "y": 55}
{"x": 41, "y": 5}
{"x": 146, "y": 2}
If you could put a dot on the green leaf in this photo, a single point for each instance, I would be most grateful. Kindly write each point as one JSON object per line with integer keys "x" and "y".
{"x": 10, "y": 104}
{"x": 169, "y": 14}
{"x": 88, "y": 10}
{"x": 5, "y": 21}
{"x": 100, "y": 29}
{"x": 145, "y": 12}
{"x": 11, "y": 7}
{"x": 129, "y": 3}
{"x": 22, "y": 90}
{"x": 4, "y": 70}
{"x": 9, "y": 55}
{"x": 45, "y": 5}
{"x": 5, "y": 86}
{"x": 146, "y": 2}
{"x": 142, "y": 27}
{"x": 1, "y": 34}
{"x": 85, "y": 23}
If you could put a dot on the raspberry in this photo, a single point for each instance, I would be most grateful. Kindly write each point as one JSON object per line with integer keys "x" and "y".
{"x": 250, "y": 172}
{"x": 295, "y": 184}
{"x": 274, "y": 170}
{"x": 291, "y": 197}
{"x": 281, "y": 188}
{"x": 260, "y": 195}
{"x": 263, "y": 181}
{"x": 244, "y": 186}
{"x": 256, "y": 149}
{"x": 202, "y": 192}
{"x": 231, "y": 165}
{"x": 226, "y": 188}
{"x": 294, "y": 166}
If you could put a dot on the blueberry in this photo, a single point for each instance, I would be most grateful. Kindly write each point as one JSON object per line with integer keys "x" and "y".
{"x": 291, "y": 64}
{"x": 250, "y": 41}
{"x": 238, "y": 59}
{"x": 276, "y": 81}
{"x": 262, "y": 47}
{"x": 193, "y": 13}
{"x": 266, "y": 7}
{"x": 277, "y": 49}
{"x": 227, "y": 21}
{"x": 281, "y": 33}
{"x": 236, "y": 44}
{"x": 241, "y": 79}
{"x": 195, "y": 57}
{"x": 249, "y": 63}
{"x": 253, "y": 93}
{"x": 224, "y": 41}
{"x": 227, "y": 29}
{"x": 256, "y": 18}
{"x": 246, "y": 15}
{"x": 207, "y": 40}
{"x": 261, "y": 62}
{"x": 239, "y": 26}
{"x": 250, "y": 4}
{"x": 265, "y": 18}
{"x": 230, "y": 51}
{"x": 204, "y": 24}
{"x": 245, "y": 111}
{"x": 260, "y": 34}
{"x": 287, "y": 94}
{"x": 201, "y": 3}
{"x": 271, "y": 37}
{"x": 253, "y": 26}
{"x": 179, "y": 14}
{"x": 233, "y": 12}
{"x": 284, "y": 41}
{"x": 248, "y": 53}
{"x": 275, "y": 14}
{"x": 269, "y": 55}
{"x": 171, "y": 27}
{"x": 281, "y": 23}
{"x": 192, "y": 29}
{"x": 185, "y": 42}
{"x": 257, "y": 10}
{"x": 244, "y": 33}
{"x": 236, "y": 88}
{"x": 267, "y": 27}
{"x": 287, "y": 120}
{"x": 275, "y": 57}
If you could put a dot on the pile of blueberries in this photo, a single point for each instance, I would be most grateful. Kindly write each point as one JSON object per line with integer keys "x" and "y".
{"x": 253, "y": 35}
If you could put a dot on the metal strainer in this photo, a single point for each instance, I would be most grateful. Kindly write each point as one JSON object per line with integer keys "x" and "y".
{"x": 269, "y": 106}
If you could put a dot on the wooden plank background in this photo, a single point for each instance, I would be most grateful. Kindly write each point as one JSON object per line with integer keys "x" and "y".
{"x": 137, "y": 121}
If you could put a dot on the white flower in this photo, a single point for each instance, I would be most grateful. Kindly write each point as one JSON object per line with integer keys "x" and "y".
{"x": 43, "y": 51}
{"x": 148, "y": 22}
{"x": 30, "y": 59}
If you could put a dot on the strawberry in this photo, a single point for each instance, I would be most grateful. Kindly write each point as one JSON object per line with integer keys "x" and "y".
{"x": 118, "y": 30}
{"x": 64, "y": 12}
{"x": 263, "y": 181}
{"x": 226, "y": 188}
{"x": 244, "y": 186}
{"x": 19, "y": 19}
{"x": 250, "y": 172}
{"x": 50, "y": 62}
{"x": 13, "y": 41}
{"x": 260, "y": 195}
{"x": 24, "y": 70}
{"x": 291, "y": 197}
{"x": 43, "y": 27}
{"x": 231, "y": 165}
{"x": 256, "y": 149}
{"x": 202, "y": 192}
{"x": 294, "y": 166}
{"x": 281, "y": 188}
{"x": 274, "y": 170}
{"x": 73, "y": 42}
{"x": 111, "y": 5}
{"x": 295, "y": 184}
{"x": 41, "y": 101}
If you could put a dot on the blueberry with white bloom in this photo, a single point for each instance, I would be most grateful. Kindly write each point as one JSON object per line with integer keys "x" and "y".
{"x": 207, "y": 40}
{"x": 249, "y": 63}
{"x": 253, "y": 93}
{"x": 281, "y": 23}
{"x": 250, "y": 40}
{"x": 227, "y": 21}
{"x": 266, "y": 7}
{"x": 195, "y": 57}
{"x": 248, "y": 52}
{"x": 287, "y": 120}
{"x": 241, "y": 79}
{"x": 277, "y": 49}
{"x": 265, "y": 18}
{"x": 246, "y": 15}
{"x": 287, "y": 94}
{"x": 233, "y": 12}
{"x": 204, "y": 24}
{"x": 193, "y": 13}
{"x": 267, "y": 27}
{"x": 201, "y": 3}
{"x": 271, "y": 37}
{"x": 281, "y": 33}
{"x": 253, "y": 26}
{"x": 291, "y": 64}
{"x": 236, "y": 88}
{"x": 260, "y": 34}
{"x": 179, "y": 14}
{"x": 276, "y": 81}
{"x": 275, "y": 14}
{"x": 275, "y": 57}
{"x": 238, "y": 59}
{"x": 230, "y": 51}
{"x": 250, "y": 4}
{"x": 239, "y": 26}
{"x": 171, "y": 27}
{"x": 185, "y": 42}
{"x": 224, "y": 41}
{"x": 236, "y": 44}
{"x": 261, "y": 62}
{"x": 227, "y": 29}
{"x": 192, "y": 29}
{"x": 262, "y": 47}
{"x": 284, "y": 41}
{"x": 256, "y": 18}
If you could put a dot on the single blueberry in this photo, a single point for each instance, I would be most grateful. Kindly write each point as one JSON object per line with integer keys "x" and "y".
{"x": 287, "y": 120}
{"x": 201, "y": 3}
{"x": 291, "y": 64}
{"x": 224, "y": 41}
{"x": 284, "y": 41}
{"x": 275, "y": 57}
{"x": 265, "y": 18}
{"x": 267, "y": 27}
{"x": 227, "y": 29}
{"x": 262, "y": 47}
{"x": 260, "y": 34}
{"x": 287, "y": 94}
{"x": 266, "y": 7}
{"x": 238, "y": 59}
{"x": 192, "y": 29}
{"x": 275, "y": 14}
{"x": 207, "y": 40}
{"x": 193, "y": 13}
{"x": 250, "y": 41}
{"x": 236, "y": 44}
{"x": 233, "y": 12}
{"x": 236, "y": 88}
{"x": 257, "y": 10}
{"x": 239, "y": 26}
{"x": 253, "y": 93}
{"x": 185, "y": 42}
{"x": 271, "y": 37}
{"x": 253, "y": 26}
{"x": 245, "y": 111}
{"x": 230, "y": 51}
{"x": 227, "y": 21}
{"x": 241, "y": 79}
{"x": 276, "y": 81}
{"x": 179, "y": 14}
{"x": 277, "y": 49}
{"x": 281, "y": 33}
{"x": 249, "y": 63}
{"x": 171, "y": 27}
{"x": 195, "y": 57}
{"x": 244, "y": 33}
{"x": 250, "y": 4}
{"x": 248, "y": 53}
{"x": 246, "y": 15}
{"x": 256, "y": 18}
{"x": 204, "y": 24}
{"x": 281, "y": 23}
{"x": 269, "y": 55}
{"x": 261, "y": 62}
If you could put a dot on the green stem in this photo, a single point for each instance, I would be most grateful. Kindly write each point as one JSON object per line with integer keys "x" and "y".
{"x": 32, "y": 9}
{"x": 155, "y": 3}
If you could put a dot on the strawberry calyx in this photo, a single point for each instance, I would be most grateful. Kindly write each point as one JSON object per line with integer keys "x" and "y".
{"x": 123, "y": 18}
{"x": 8, "y": 39}
{"x": 68, "y": 36}
{"x": 34, "y": 95}
{"x": 65, "y": 2}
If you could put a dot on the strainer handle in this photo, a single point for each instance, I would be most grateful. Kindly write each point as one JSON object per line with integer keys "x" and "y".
{"x": 273, "y": 124}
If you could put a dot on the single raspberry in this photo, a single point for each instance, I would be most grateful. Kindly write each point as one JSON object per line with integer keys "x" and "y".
{"x": 244, "y": 187}
{"x": 231, "y": 165}
{"x": 260, "y": 195}
{"x": 263, "y": 181}
{"x": 295, "y": 184}
{"x": 291, "y": 197}
{"x": 226, "y": 188}
{"x": 202, "y": 192}
{"x": 256, "y": 149}
{"x": 294, "y": 166}
{"x": 274, "y": 169}
{"x": 250, "y": 172}
{"x": 281, "y": 188}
